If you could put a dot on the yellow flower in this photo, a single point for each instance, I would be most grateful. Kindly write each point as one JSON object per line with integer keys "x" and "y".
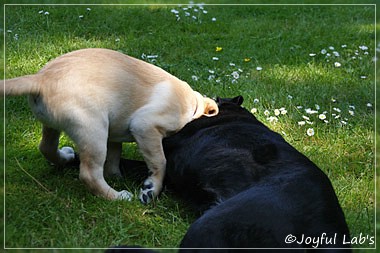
{"x": 218, "y": 49}
{"x": 247, "y": 59}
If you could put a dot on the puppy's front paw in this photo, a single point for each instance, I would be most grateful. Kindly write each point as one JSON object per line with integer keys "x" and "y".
{"x": 147, "y": 192}
{"x": 125, "y": 195}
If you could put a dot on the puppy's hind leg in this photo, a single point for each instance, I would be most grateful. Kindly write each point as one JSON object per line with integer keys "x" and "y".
{"x": 112, "y": 165}
{"x": 49, "y": 148}
{"x": 92, "y": 145}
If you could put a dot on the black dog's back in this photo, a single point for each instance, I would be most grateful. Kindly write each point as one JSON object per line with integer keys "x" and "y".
{"x": 263, "y": 189}
{"x": 263, "y": 217}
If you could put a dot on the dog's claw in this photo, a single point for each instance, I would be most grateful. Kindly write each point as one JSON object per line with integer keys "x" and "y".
{"x": 125, "y": 195}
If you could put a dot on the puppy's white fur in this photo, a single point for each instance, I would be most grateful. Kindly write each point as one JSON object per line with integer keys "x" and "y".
{"x": 101, "y": 98}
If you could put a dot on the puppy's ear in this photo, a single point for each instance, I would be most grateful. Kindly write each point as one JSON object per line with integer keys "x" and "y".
{"x": 205, "y": 106}
{"x": 210, "y": 107}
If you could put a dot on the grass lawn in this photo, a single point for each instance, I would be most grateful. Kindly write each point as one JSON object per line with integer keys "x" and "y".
{"x": 307, "y": 72}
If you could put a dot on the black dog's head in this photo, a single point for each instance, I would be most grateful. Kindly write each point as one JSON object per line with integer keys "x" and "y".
{"x": 230, "y": 104}
{"x": 231, "y": 109}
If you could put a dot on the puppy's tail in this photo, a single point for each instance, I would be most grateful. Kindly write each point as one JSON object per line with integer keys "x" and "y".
{"x": 24, "y": 85}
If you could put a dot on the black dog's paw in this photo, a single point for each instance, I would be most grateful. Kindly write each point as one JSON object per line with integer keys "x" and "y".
{"x": 147, "y": 192}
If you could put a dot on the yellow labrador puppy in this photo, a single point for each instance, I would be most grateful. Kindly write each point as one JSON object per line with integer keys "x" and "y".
{"x": 101, "y": 98}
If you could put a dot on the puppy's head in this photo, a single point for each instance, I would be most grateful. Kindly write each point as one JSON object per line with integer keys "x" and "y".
{"x": 205, "y": 106}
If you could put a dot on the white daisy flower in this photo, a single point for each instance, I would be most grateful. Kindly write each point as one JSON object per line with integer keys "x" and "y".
{"x": 272, "y": 119}
{"x": 310, "y": 111}
{"x": 310, "y": 131}
{"x": 235, "y": 75}
{"x": 301, "y": 123}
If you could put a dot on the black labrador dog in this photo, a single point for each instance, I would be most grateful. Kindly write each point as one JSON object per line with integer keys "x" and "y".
{"x": 253, "y": 188}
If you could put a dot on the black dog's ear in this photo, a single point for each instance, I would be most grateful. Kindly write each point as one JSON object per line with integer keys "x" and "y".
{"x": 238, "y": 100}
{"x": 219, "y": 100}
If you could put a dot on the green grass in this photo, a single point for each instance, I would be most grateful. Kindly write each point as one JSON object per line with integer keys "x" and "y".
{"x": 279, "y": 39}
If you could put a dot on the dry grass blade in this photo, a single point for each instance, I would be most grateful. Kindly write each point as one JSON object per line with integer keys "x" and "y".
{"x": 34, "y": 179}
